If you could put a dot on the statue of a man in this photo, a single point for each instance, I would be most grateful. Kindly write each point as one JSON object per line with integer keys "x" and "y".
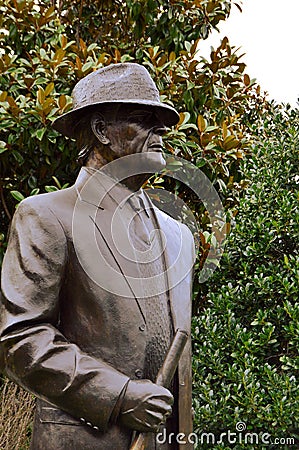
{"x": 85, "y": 324}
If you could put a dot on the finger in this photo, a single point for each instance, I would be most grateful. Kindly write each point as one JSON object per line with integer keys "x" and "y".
{"x": 160, "y": 406}
{"x": 168, "y": 413}
{"x": 165, "y": 398}
{"x": 154, "y": 417}
{"x": 151, "y": 423}
{"x": 147, "y": 426}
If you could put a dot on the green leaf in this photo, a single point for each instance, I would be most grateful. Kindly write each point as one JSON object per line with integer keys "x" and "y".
{"x": 17, "y": 195}
{"x": 3, "y": 147}
{"x": 18, "y": 157}
{"x": 57, "y": 182}
{"x": 34, "y": 191}
{"x": 91, "y": 47}
{"x": 200, "y": 162}
{"x": 211, "y": 128}
{"x": 87, "y": 66}
{"x": 40, "y": 133}
{"x": 51, "y": 188}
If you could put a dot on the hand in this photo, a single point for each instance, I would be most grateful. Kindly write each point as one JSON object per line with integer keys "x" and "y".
{"x": 145, "y": 406}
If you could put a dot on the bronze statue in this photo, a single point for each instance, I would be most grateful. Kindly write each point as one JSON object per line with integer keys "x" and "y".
{"x": 79, "y": 334}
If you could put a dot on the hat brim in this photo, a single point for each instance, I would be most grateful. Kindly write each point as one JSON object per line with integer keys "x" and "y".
{"x": 66, "y": 123}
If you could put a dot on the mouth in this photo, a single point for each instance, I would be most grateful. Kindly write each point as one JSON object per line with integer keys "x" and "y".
{"x": 156, "y": 147}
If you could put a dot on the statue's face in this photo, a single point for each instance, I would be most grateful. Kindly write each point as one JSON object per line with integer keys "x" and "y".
{"x": 135, "y": 130}
{"x": 124, "y": 130}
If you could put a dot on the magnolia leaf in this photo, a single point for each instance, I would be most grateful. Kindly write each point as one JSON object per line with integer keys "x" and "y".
{"x": 34, "y": 191}
{"x": 201, "y": 123}
{"x": 49, "y": 89}
{"x": 57, "y": 182}
{"x": 91, "y": 47}
{"x": 87, "y": 66}
{"x": 211, "y": 128}
{"x": 246, "y": 80}
{"x": 63, "y": 41}
{"x": 59, "y": 55}
{"x": 49, "y": 12}
{"x": 3, "y": 147}
{"x": 224, "y": 130}
{"x": 78, "y": 63}
{"x": 230, "y": 142}
{"x": 3, "y": 96}
{"x": 62, "y": 101}
{"x": 41, "y": 95}
{"x": 51, "y": 188}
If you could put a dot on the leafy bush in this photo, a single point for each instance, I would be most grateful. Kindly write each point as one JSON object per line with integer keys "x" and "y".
{"x": 47, "y": 48}
{"x": 246, "y": 337}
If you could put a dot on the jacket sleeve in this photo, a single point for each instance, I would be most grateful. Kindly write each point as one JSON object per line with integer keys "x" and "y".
{"x": 35, "y": 353}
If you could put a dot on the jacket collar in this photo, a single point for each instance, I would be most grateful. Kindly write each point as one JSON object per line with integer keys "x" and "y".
{"x": 98, "y": 189}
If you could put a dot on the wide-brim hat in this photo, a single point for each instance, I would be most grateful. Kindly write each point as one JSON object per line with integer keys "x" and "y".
{"x": 118, "y": 83}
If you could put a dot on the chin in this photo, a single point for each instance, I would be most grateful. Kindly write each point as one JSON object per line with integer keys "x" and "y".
{"x": 155, "y": 161}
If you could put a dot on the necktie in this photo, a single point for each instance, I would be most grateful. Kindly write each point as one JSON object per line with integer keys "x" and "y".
{"x": 155, "y": 301}
{"x": 138, "y": 225}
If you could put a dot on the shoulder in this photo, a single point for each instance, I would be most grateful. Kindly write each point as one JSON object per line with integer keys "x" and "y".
{"x": 41, "y": 203}
{"x": 48, "y": 207}
{"x": 41, "y": 214}
{"x": 172, "y": 223}
{"x": 36, "y": 231}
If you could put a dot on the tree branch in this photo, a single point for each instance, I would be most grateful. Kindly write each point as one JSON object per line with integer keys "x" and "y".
{"x": 4, "y": 204}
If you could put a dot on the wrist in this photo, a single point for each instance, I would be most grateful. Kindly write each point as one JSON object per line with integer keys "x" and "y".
{"x": 119, "y": 404}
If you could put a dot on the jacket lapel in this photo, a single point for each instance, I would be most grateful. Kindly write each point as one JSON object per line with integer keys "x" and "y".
{"x": 92, "y": 218}
{"x": 97, "y": 225}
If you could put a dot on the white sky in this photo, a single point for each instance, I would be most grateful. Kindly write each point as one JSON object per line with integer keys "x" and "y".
{"x": 268, "y": 32}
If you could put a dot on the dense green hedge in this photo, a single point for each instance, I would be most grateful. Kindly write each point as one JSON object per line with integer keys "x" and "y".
{"x": 246, "y": 337}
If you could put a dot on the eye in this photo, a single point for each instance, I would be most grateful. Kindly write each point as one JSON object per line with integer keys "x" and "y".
{"x": 140, "y": 116}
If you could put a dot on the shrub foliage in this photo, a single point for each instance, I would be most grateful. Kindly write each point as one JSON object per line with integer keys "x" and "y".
{"x": 246, "y": 338}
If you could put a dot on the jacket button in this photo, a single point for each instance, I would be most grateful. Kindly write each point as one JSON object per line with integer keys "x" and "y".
{"x": 138, "y": 373}
{"x": 142, "y": 327}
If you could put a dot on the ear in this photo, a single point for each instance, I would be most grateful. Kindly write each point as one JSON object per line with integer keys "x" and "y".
{"x": 98, "y": 126}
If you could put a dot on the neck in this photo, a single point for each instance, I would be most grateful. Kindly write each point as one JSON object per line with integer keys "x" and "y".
{"x": 97, "y": 161}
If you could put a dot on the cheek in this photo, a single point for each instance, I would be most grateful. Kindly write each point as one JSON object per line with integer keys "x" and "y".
{"x": 127, "y": 139}
{"x": 131, "y": 133}
{"x": 134, "y": 139}
{"x": 139, "y": 136}
{"x": 124, "y": 134}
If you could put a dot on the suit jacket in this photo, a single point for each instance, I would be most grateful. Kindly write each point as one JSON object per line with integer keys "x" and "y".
{"x": 70, "y": 332}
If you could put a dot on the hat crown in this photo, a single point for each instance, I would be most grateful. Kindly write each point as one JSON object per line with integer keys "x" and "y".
{"x": 124, "y": 82}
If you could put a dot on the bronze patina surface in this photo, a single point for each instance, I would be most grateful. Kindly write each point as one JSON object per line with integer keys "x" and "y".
{"x": 82, "y": 335}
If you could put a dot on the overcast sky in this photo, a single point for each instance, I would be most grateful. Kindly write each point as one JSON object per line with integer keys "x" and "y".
{"x": 268, "y": 32}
